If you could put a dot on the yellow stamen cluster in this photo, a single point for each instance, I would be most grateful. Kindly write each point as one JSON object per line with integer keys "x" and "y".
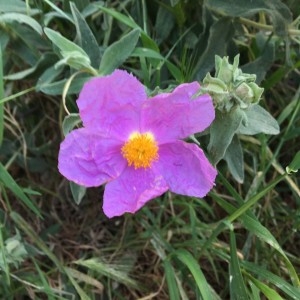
{"x": 140, "y": 150}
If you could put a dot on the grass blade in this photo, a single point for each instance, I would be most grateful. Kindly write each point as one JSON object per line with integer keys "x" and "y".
{"x": 10, "y": 183}
{"x": 109, "y": 270}
{"x": 237, "y": 286}
{"x": 186, "y": 257}
{"x": 255, "y": 227}
{"x": 171, "y": 281}
{"x": 267, "y": 291}
{"x": 3, "y": 262}
{"x": 280, "y": 283}
{"x": 25, "y": 227}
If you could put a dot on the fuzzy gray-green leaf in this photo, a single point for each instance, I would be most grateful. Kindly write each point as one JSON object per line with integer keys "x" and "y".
{"x": 258, "y": 121}
{"x": 220, "y": 34}
{"x": 222, "y": 131}
{"x": 21, "y": 18}
{"x": 70, "y": 122}
{"x": 235, "y": 159}
{"x": 72, "y": 54}
{"x": 86, "y": 37}
{"x": 118, "y": 52}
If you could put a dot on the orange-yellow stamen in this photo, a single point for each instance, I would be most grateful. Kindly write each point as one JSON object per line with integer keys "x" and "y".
{"x": 140, "y": 150}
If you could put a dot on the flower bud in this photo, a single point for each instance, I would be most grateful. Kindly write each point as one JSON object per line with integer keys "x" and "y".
{"x": 231, "y": 87}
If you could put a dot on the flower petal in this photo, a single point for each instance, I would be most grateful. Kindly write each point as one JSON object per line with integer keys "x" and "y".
{"x": 177, "y": 115}
{"x": 111, "y": 104}
{"x": 186, "y": 169}
{"x": 130, "y": 191}
{"x": 89, "y": 159}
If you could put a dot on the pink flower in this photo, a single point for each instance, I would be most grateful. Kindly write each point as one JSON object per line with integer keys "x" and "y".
{"x": 134, "y": 144}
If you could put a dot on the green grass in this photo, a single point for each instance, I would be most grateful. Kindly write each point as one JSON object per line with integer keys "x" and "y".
{"x": 240, "y": 242}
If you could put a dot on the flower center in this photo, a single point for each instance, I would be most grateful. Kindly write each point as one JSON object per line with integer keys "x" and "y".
{"x": 140, "y": 150}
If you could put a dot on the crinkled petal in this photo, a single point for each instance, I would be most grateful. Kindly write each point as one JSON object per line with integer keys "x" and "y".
{"x": 177, "y": 115}
{"x": 89, "y": 159}
{"x": 186, "y": 169}
{"x": 111, "y": 104}
{"x": 130, "y": 191}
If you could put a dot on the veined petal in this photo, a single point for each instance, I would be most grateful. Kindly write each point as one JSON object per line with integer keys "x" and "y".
{"x": 177, "y": 115}
{"x": 89, "y": 159}
{"x": 111, "y": 104}
{"x": 186, "y": 169}
{"x": 130, "y": 191}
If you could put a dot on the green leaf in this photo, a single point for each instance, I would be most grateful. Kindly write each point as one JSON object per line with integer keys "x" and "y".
{"x": 235, "y": 159}
{"x": 262, "y": 64}
{"x": 4, "y": 39}
{"x": 249, "y": 220}
{"x": 16, "y": 251}
{"x": 237, "y": 286}
{"x": 280, "y": 13}
{"x": 80, "y": 4}
{"x": 294, "y": 166}
{"x": 148, "y": 53}
{"x": 222, "y": 131}
{"x": 48, "y": 76}
{"x": 59, "y": 13}
{"x": 278, "y": 75}
{"x": 21, "y": 75}
{"x": 255, "y": 227}
{"x": 290, "y": 110}
{"x": 220, "y": 34}
{"x": 21, "y": 18}
{"x": 118, "y": 52}
{"x": 82, "y": 294}
{"x": 75, "y": 60}
{"x": 147, "y": 41}
{"x": 82, "y": 277}
{"x": 120, "y": 17}
{"x": 267, "y": 291}
{"x": 72, "y": 54}
{"x": 86, "y": 38}
{"x": 45, "y": 61}
{"x": 258, "y": 121}
{"x": 164, "y": 24}
{"x": 279, "y": 282}
{"x": 186, "y": 257}
{"x": 251, "y": 223}
{"x": 78, "y": 192}
{"x": 56, "y": 88}
{"x": 70, "y": 122}
{"x": 9, "y": 183}
{"x": 47, "y": 289}
{"x": 16, "y": 6}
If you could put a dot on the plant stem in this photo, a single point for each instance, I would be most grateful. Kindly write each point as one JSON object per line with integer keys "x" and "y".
{"x": 291, "y": 31}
